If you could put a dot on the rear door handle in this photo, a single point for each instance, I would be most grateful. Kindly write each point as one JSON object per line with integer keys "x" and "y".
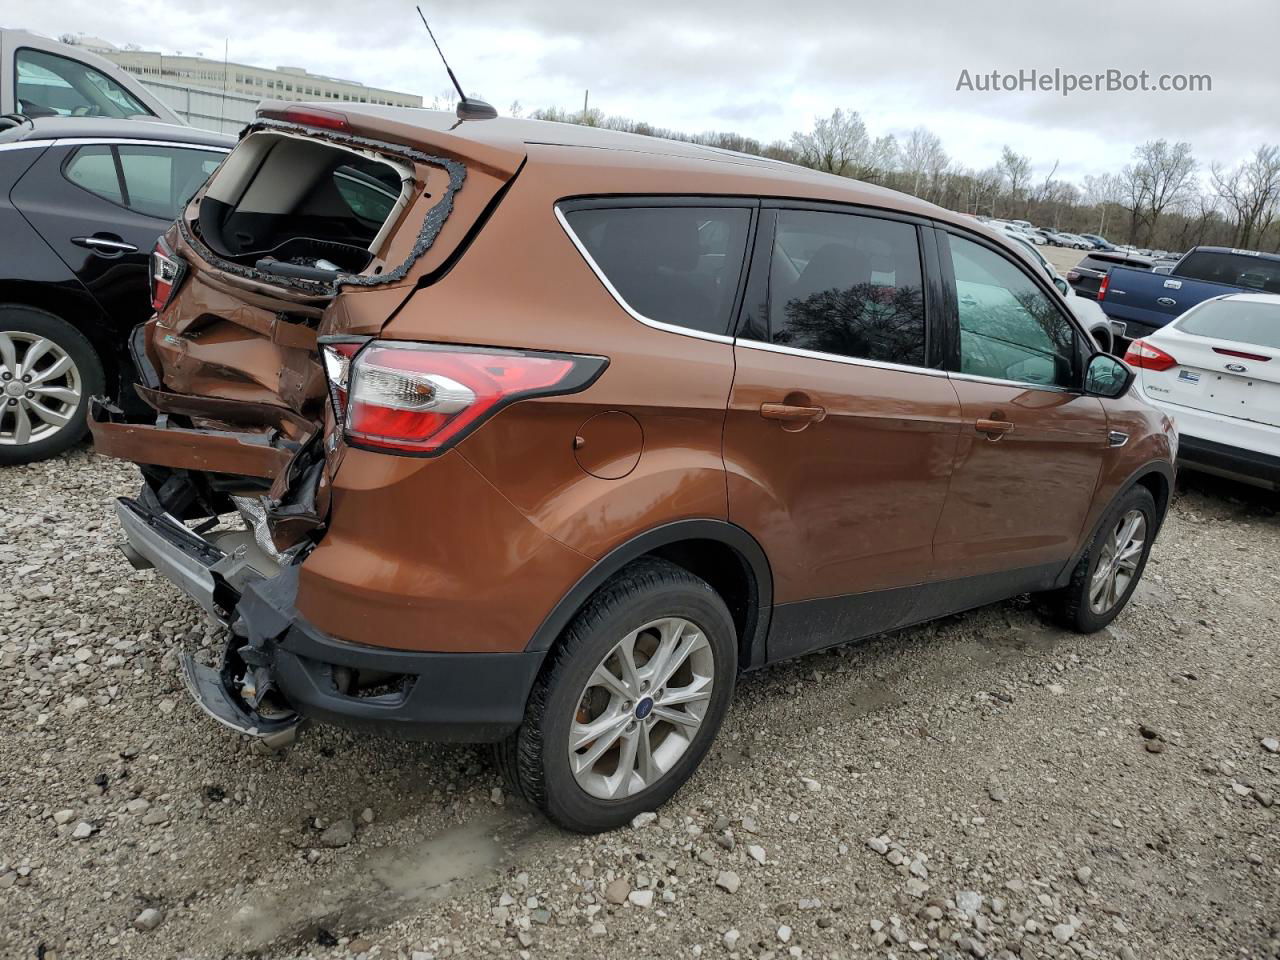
{"x": 792, "y": 413}
{"x": 994, "y": 429}
{"x": 111, "y": 246}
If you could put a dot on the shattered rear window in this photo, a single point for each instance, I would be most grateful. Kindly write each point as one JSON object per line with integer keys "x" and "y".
{"x": 296, "y": 207}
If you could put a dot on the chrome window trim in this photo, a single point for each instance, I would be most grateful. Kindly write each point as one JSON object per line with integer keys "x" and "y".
{"x": 839, "y": 358}
{"x": 99, "y": 141}
{"x": 1024, "y": 384}
{"x": 613, "y": 292}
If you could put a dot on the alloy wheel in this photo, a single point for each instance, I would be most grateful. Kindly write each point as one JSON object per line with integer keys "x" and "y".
{"x": 40, "y": 388}
{"x": 641, "y": 708}
{"x": 1118, "y": 563}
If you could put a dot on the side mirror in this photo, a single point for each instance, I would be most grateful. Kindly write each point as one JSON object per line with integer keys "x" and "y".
{"x": 1107, "y": 377}
{"x": 1064, "y": 288}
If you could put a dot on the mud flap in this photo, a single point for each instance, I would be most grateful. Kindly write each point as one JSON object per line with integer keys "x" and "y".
{"x": 207, "y": 688}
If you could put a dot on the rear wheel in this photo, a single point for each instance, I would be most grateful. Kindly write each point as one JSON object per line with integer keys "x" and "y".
{"x": 48, "y": 371}
{"x": 1107, "y": 574}
{"x": 628, "y": 701}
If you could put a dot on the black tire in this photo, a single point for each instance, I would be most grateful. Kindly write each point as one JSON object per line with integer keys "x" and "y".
{"x": 1070, "y": 606}
{"x": 29, "y": 320}
{"x": 535, "y": 761}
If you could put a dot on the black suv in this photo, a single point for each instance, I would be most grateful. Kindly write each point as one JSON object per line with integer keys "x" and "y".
{"x": 82, "y": 202}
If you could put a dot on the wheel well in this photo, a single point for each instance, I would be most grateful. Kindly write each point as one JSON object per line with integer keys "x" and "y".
{"x": 1158, "y": 485}
{"x": 79, "y": 311}
{"x": 729, "y": 574}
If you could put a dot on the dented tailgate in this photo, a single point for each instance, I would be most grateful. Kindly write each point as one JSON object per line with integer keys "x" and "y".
{"x": 230, "y": 364}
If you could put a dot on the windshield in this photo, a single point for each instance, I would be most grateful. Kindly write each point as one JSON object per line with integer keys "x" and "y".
{"x": 1241, "y": 321}
{"x": 49, "y": 85}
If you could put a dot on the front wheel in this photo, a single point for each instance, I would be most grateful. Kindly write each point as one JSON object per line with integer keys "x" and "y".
{"x": 628, "y": 701}
{"x": 1108, "y": 573}
{"x": 48, "y": 372}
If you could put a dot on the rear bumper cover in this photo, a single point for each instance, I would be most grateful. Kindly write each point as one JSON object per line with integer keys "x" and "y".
{"x": 472, "y": 697}
{"x": 1232, "y": 461}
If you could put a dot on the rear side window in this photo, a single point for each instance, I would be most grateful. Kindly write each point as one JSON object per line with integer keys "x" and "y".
{"x": 160, "y": 180}
{"x": 847, "y": 285}
{"x": 94, "y": 168}
{"x": 154, "y": 181}
{"x": 48, "y": 85}
{"x": 1236, "y": 269}
{"x": 1241, "y": 321}
{"x": 676, "y": 265}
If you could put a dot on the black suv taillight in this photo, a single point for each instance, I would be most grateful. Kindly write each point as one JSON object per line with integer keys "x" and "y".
{"x": 422, "y": 398}
{"x": 167, "y": 273}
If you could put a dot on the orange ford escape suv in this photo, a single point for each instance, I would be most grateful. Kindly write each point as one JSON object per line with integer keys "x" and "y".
{"x": 509, "y": 431}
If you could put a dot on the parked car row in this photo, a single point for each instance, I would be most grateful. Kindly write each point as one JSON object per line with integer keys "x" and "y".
{"x": 1040, "y": 236}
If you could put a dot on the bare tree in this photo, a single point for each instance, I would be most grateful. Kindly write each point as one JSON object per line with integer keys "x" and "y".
{"x": 1103, "y": 191}
{"x": 1015, "y": 169}
{"x": 1161, "y": 176}
{"x": 922, "y": 161}
{"x": 1251, "y": 193}
{"x": 840, "y": 144}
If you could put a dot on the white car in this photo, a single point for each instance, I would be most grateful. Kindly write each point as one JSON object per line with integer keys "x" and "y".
{"x": 1101, "y": 327}
{"x": 1216, "y": 371}
{"x": 1016, "y": 232}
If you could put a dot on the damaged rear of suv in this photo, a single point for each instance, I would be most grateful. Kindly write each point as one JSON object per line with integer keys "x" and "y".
{"x": 538, "y": 435}
{"x": 283, "y": 269}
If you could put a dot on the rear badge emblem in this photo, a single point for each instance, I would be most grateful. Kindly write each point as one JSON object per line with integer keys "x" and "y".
{"x": 1188, "y": 376}
{"x": 1237, "y": 368}
{"x": 1167, "y": 301}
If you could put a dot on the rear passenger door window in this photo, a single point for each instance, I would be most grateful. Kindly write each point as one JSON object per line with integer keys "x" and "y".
{"x": 154, "y": 181}
{"x": 847, "y": 285}
{"x": 676, "y": 265}
{"x": 1009, "y": 328}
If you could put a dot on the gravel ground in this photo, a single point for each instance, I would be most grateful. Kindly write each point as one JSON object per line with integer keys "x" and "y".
{"x": 984, "y": 786}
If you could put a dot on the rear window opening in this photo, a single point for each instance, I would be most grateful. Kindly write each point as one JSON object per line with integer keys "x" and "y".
{"x": 305, "y": 203}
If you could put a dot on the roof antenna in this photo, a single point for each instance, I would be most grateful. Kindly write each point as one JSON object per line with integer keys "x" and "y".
{"x": 469, "y": 108}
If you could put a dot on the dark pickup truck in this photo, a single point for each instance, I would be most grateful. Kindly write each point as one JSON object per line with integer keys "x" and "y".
{"x": 1086, "y": 276}
{"x": 1145, "y": 301}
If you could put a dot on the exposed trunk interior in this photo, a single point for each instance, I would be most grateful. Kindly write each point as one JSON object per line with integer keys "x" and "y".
{"x": 305, "y": 202}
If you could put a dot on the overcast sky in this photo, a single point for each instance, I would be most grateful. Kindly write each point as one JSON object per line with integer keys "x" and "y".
{"x": 764, "y": 69}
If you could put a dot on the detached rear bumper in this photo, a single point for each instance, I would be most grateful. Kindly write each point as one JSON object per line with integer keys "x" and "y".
{"x": 475, "y": 697}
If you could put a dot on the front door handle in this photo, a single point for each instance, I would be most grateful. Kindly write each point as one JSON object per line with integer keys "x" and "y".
{"x": 105, "y": 244}
{"x": 994, "y": 429}
{"x": 791, "y": 413}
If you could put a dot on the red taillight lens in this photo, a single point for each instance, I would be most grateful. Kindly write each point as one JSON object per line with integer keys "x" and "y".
{"x": 167, "y": 272}
{"x": 1148, "y": 357}
{"x": 1103, "y": 284}
{"x": 422, "y": 398}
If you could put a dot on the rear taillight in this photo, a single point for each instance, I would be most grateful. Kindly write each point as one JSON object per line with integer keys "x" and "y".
{"x": 337, "y": 354}
{"x": 1103, "y": 284}
{"x": 1148, "y": 357}
{"x": 167, "y": 272}
{"x": 418, "y": 398}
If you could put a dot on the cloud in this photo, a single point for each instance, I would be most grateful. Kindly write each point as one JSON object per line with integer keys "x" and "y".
{"x": 766, "y": 69}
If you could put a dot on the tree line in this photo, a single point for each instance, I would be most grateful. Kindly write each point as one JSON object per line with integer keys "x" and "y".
{"x": 1164, "y": 198}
